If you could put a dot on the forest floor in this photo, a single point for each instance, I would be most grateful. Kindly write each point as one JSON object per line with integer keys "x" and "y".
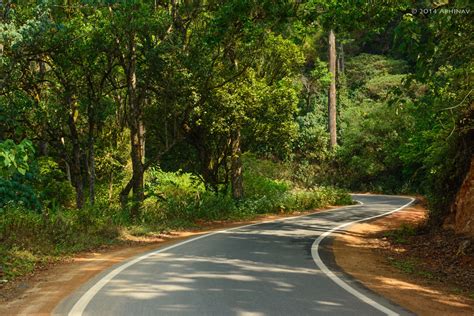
{"x": 429, "y": 273}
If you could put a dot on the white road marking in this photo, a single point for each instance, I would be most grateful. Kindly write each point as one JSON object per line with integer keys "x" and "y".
{"x": 339, "y": 281}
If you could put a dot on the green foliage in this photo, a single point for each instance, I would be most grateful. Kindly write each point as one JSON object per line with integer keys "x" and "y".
{"x": 420, "y": 137}
{"x": 257, "y": 186}
{"x": 179, "y": 199}
{"x": 372, "y": 130}
{"x": 17, "y": 262}
{"x": 313, "y": 139}
{"x": 15, "y": 158}
{"x": 316, "y": 198}
{"x": 166, "y": 184}
{"x": 28, "y": 238}
{"x": 16, "y": 192}
{"x": 363, "y": 68}
{"x": 15, "y": 162}
{"x": 50, "y": 182}
{"x": 44, "y": 185}
{"x": 439, "y": 152}
{"x": 379, "y": 87}
{"x": 62, "y": 231}
{"x": 265, "y": 168}
{"x": 369, "y": 154}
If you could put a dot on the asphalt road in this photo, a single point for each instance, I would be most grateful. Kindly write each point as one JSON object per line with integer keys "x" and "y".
{"x": 282, "y": 267}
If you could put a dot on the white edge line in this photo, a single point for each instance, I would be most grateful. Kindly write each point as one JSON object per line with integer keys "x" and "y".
{"x": 339, "y": 281}
{"x": 82, "y": 303}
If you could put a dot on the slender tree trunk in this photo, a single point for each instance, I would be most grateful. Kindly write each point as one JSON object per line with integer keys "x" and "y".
{"x": 68, "y": 172}
{"x": 342, "y": 59}
{"x": 308, "y": 101}
{"x": 125, "y": 192}
{"x": 332, "y": 91}
{"x": 166, "y": 135}
{"x": 111, "y": 185}
{"x": 236, "y": 166}
{"x": 43, "y": 148}
{"x": 208, "y": 169}
{"x": 137, "y": 162}
{"x": 85, "y": 169}
{"x": 76, "y": 173}
{"x": 338, "y": 67}
{"x": 91, "y": 164}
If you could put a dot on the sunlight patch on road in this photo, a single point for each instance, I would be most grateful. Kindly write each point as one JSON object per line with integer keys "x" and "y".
{"x": 328, "y": 303}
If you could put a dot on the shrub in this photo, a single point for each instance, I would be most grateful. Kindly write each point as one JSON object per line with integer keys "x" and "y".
{"x": 361, "y": 68}
{"x": 316, "y": 198}
{"x": 178, "y": 199}
{"x": 15, "y": 158}
{"x": 254, "y": 166}
{"x": 51, "y": 183}
{"x": 15, "y": 192}
{"x": 60, "y": 231}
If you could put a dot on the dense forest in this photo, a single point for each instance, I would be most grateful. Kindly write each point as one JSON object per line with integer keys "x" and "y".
{"x": 144, "y": 116}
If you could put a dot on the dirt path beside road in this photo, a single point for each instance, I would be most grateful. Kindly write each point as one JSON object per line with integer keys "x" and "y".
{"x": 362, "y": 253}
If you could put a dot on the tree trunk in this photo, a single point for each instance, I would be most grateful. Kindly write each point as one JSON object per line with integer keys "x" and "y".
{"x": 137, "y": 131}
{"x": 137, "y": 165}
{"x": 236, "y": 166}
{"x": 209, "y": 169}
{"x": 68, "y": 172}
{"x": 43, "y": 148}
{"x": 338, "y": 67}
{"x": 111, "y": 185}
{"x": 125, "y": 192}
{"x": 76, "y": 174}
{"x": 332, "y": 91}
{"x": 342, "y": 59}
{"x": 91, "y": 164}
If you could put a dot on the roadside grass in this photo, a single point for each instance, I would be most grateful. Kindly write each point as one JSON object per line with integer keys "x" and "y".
{"x": 402, "y": 234}
{"x": 411, "y": 266}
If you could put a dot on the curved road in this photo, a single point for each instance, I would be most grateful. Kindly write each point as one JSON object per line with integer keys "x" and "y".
{"x": 281, "y": 267}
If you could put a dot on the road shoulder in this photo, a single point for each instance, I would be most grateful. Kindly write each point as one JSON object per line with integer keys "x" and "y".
{"x": 358, "y": 251}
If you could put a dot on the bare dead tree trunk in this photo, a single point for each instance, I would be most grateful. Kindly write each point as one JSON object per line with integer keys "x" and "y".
{"x": 236, "y": 166}
{"x": 332, "y": 91}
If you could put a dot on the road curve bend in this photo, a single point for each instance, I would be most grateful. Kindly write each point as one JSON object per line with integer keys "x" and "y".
{"x": 281, "y": 267}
